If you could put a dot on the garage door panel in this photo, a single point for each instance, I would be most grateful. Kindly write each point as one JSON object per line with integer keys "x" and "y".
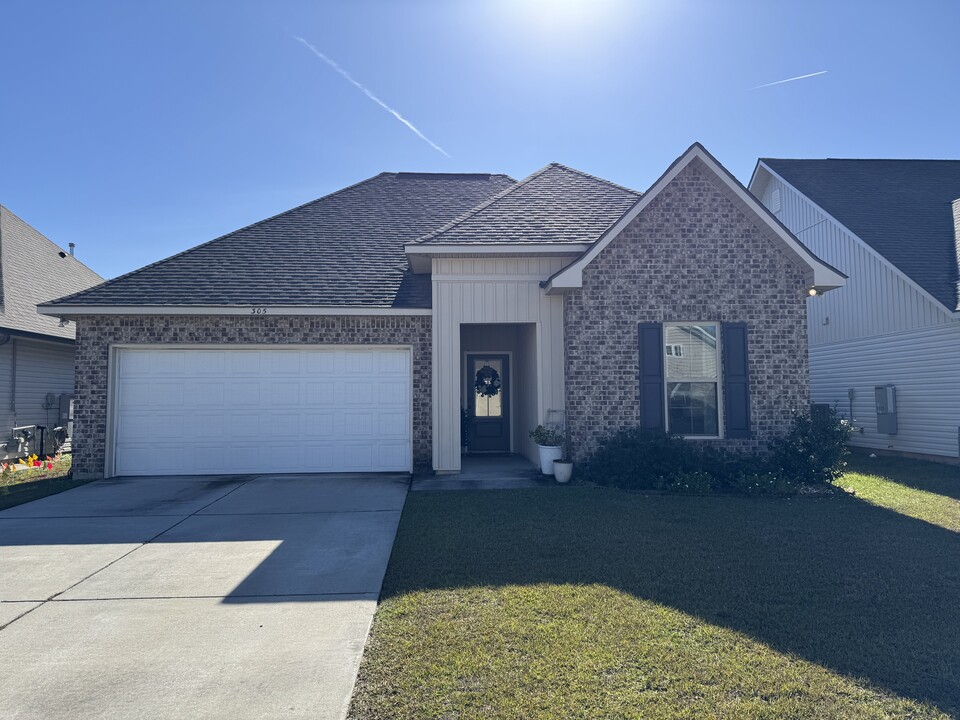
{"x": 394, "y": 425}
{"x": 319, "y": 424}
{"x": 203, "y": 425}
{"x": 244, "y": 393}
{"x": 251, "y": 410}
{"x": 320, "y": 393}
{"x": 244, "y": 363}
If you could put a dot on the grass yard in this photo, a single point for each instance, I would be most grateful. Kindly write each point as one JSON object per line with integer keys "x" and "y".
{"x": 581, "y": 602}
{"x": 30, "y": 484}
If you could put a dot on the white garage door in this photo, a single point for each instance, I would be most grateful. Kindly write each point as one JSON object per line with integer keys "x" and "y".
{"x": 181, "y": 411}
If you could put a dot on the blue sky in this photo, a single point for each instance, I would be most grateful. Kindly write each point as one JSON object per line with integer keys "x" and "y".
{"x": 138, "y": 129}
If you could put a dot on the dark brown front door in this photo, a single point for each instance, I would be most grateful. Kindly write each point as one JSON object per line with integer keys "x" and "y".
{"x": 488, "y": 393}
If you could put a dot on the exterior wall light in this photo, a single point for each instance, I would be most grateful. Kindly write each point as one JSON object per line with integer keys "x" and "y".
{"x": 812, "y": 292}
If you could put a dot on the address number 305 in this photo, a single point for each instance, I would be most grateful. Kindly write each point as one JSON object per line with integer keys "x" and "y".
{"x": 258, "y": 311}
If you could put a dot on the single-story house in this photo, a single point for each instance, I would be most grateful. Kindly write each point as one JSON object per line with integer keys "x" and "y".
{"x": 350, "y": 333}
{"x": 885, "y": 349}
{"x": 36, "y": 351}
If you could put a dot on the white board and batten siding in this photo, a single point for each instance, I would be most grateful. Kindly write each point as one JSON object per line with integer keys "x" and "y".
{"x": 212, "y": 410}
{"x": 880, "y": 329}
{"x": 491, "y": 290}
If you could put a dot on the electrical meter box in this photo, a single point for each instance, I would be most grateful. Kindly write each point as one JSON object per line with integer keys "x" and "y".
{"x": 886, "y": 408}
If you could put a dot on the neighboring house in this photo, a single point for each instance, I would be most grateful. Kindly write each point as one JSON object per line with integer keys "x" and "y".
{"x": 886, "y": 348}
{"x": 347, "y": 334}
{"x": 36, "y": 352}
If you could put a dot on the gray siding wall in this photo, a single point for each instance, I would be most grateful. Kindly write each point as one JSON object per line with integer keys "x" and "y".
{"x": 691, "y": 255}
{"x": 42, "y": 368}
{"x": 96, "y": 333}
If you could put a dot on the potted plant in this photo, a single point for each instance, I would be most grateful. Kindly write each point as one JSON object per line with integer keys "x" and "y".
{"x": 563, "y": 466}
{"x": 548, "y": 441}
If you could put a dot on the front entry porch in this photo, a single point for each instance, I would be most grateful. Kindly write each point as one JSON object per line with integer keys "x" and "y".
{"x": 487, "y": 472}
{"x": 498, "y": 389}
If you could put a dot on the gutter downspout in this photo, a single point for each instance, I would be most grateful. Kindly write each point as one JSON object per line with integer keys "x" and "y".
{"x": 13, "y": 380}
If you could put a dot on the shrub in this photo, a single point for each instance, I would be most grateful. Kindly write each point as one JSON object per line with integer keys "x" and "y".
{"x": 637, "y": 459}
{"x": 812, "y": 452}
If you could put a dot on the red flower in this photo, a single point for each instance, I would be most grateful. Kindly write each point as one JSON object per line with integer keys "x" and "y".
{"x": 36, "y": 463}
{"x": 49, "y": 466}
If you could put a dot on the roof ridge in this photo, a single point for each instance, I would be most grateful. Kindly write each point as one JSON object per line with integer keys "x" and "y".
{"x": 849, "y": 159}
{"x": 597, "y": 178}
{"x": 111, "y": 281}
{"x": 482, "y": 206}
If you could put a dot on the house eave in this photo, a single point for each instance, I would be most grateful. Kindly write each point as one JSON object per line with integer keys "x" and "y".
{"x": 253, "y": 310}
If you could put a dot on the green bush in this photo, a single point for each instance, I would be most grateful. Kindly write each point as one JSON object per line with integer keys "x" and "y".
{"x": 640, "y": 459}
{"x": 812, "y": 452}
{"x": 636, "y": 459}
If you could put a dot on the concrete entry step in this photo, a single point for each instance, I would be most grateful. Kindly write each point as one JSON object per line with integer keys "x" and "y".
{"x": 486, "y": 472}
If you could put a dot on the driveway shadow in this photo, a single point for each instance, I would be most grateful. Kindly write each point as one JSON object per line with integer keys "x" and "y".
{"x": 858, "y": 589}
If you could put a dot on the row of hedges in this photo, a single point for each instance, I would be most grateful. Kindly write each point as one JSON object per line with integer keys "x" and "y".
{"x": 811, "y": 454}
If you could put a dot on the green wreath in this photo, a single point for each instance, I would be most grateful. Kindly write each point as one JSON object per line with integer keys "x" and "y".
{"x": 488, "y": 382}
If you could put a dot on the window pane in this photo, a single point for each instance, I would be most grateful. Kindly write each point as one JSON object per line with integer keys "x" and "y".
{"x": 692, "y": 408}
{"x": 490, "y": 372}
{"x": 693, "y": 351}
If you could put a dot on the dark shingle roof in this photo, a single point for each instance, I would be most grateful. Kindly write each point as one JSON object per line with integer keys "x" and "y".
{"x": 556, "y": 204}
{"x": 33, "y": 272}
{"x": 901, "y": 208}
{"x": 344, "y": 249}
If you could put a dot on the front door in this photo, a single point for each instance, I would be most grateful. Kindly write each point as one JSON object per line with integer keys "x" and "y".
{"x": 488, "y": 393}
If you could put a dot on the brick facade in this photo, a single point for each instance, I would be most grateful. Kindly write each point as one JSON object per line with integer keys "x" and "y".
{"x": 692, "y": 254}
{"x": 95, "y": 334}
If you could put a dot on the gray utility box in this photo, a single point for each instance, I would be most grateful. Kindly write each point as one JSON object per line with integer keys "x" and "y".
{"x": 886, "y": 408}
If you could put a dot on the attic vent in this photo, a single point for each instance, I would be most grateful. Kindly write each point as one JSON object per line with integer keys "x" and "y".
{"x": 775, "y": 200}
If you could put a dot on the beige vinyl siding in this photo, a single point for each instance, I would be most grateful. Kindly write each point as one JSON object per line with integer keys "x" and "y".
{"x": 922, "y": 363}
{"x": 876, "y": 299}
{"x": 492, "y": 290}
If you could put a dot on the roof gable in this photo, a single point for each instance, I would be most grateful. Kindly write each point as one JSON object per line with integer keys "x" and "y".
{"x": 819, "y": 274}
{"x": 34, "y": 270}
{"x": 556, "y": 204}
{"x": 900, "y": 208}
{"x": 344, "y": 249}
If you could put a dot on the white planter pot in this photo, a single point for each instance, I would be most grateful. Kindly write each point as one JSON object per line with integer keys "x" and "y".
{"x": 548, "y": 453}
{"x": 562, "y": 470}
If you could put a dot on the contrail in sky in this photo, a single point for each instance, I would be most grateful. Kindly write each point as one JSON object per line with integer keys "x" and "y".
{"x": 370, "y": 95}
{"x": 798, "y": 77}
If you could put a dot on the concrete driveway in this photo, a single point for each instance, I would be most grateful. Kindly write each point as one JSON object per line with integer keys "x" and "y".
{"x": 206, "y": 597}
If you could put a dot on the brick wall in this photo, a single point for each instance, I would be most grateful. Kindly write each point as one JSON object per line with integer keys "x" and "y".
{"x": 692, "y": 254}
{"x": 95, "y": 334}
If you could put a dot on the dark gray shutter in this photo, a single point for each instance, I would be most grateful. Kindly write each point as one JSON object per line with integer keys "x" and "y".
{"x": 650, "y": 340}
{"x": 736, "y": 380}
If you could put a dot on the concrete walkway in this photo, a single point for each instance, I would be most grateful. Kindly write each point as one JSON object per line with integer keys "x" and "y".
{"x": 486, "y": 472}
{"x": 208, "y": 597}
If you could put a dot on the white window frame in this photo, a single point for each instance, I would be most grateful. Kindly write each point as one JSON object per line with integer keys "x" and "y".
{"x": 718, "y": 379}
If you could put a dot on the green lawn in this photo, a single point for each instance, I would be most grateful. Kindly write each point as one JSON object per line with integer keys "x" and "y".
{"x": 30, "y": 484}
{"x": 581, "y": 602}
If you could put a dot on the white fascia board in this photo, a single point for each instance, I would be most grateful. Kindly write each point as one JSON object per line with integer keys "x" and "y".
{"x": 251, "y": 310}
{"x": 866, "y": 246}
{"x": 821, "y": 275}
{"x": 498, "y": 249}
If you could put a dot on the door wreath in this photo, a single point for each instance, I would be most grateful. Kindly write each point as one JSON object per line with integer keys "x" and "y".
{"x": 488, "y": 382}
